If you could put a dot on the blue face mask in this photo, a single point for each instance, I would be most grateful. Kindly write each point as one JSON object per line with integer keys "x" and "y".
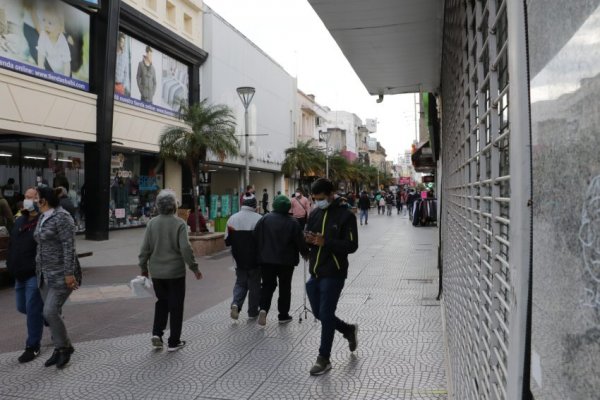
{"x": 322, "y": 204}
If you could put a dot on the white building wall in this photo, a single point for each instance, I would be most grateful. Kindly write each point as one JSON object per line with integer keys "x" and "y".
{"x": 348, "y": 122}
{"x": 235, "y": 61}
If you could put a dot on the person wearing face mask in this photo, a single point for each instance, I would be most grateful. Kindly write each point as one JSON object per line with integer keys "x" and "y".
{"x": 300, "y": 208}
{"x": 21, "y": 265}
{"x": 58, "y": 271}
{"x": 332, "y": 235}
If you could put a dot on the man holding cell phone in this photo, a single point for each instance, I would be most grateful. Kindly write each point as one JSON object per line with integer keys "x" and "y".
{"x": 332, "y": 235}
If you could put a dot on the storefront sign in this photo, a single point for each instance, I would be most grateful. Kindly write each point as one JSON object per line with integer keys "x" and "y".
{"x": 235, "y": 204}
{"x": 148, "y": 183}
{"x": 47, "y": 40}
{"x": 119, "y": 213}
{"x": 214, "y": 206}
{"x": 124, "y": 174}
{"x": 225, "y": 205}
{"x": 147, "y": 78}
{"x": 202, "y": 203}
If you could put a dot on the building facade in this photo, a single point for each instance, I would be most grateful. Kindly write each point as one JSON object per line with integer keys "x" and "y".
{"x": 91, "y": 120}
{"x": 234, "y": 62}
{"x": 312, "y": 117}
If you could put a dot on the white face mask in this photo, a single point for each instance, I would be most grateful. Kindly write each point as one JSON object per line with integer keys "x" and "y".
{"x": 298, "y": 194}
{"x": 28, "y": 204}
{"x": 322, "y": 204}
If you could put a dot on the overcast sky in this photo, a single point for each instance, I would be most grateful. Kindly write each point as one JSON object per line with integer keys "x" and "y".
{"x": 291, "y": 33}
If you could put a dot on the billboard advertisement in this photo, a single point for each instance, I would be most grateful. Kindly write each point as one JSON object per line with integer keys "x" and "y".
{"x": 147, "y": 78}
{"x": 46, "y": 39}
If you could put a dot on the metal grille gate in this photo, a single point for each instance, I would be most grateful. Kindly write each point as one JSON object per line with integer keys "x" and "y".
{"x": 477, "y": 197}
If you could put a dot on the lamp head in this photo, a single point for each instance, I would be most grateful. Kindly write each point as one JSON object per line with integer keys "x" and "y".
{"x": 246, "y": 94}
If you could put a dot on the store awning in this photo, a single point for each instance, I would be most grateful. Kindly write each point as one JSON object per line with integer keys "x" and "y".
{"x": 394, "y": 46}
{"x": 422, "y": 158}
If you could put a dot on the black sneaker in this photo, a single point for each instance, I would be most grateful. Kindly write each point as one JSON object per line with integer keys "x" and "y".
{"x": 64, "y": 356}
{"x": 286, "y": 319}
{"x": 29, "y": 354}
{"x": 353, "y": 338}
{"x": 52, "y": 360}
{"x": 321, "y": 366}
{"x": 177, "y": 346}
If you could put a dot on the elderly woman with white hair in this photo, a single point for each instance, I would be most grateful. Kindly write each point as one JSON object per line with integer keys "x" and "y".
{"x": 164, "y": 254}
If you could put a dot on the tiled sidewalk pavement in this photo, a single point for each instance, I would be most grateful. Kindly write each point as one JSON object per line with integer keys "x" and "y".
{"x": 390, "y": 293}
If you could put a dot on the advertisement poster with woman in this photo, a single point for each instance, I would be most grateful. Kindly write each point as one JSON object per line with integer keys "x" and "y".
{"x": 147, "y": 78}
{"x": 47, "y": 39}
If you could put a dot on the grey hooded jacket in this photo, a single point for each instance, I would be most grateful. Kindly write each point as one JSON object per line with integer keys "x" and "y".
{"x": 56, "y": 256}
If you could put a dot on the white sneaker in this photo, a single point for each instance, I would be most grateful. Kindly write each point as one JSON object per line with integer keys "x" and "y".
{"x": 157, "y": 342}
{"x": 262, "y": 317}
{"x": 235, "y": 312}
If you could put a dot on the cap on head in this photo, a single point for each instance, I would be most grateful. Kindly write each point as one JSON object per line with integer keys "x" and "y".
{"x": 249, "y": 201}
{"x": 281, "y": 204}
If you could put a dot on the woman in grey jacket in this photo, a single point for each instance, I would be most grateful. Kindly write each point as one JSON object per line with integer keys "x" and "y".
{"x": 165, "y": 251}
{"x": 57, "y": 268}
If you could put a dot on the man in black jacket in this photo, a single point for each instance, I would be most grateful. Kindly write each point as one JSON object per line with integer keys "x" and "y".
{"x": 332, "y": 235}
{"x": 364, "y": 204}
{"x": 279, "y": 242}
{"x": 240, "y": 236}
{"x": 21, "y": 264}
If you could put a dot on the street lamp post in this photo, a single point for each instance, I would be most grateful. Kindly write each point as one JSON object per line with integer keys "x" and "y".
{"x": 246, "y": 94}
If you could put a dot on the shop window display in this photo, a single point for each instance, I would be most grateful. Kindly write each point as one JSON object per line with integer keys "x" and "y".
{"x": 135, "y": 182}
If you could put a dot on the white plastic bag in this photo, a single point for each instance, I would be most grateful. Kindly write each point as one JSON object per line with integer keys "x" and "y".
{"x": 141, "y": 287}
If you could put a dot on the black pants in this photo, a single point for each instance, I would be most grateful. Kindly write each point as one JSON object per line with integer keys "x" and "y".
{"x": 302, "y": 222}
{"x": 270, "y": 275}
{"x": 170, "y": 294}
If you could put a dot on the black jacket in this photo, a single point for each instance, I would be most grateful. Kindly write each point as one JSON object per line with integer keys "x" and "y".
{"x": 338, "y": 225}
{"x": 22, "y": 248}
{"x": 240, "y": 236}
{"x": 279, "y": 240}
{"x": 364, "y": 203}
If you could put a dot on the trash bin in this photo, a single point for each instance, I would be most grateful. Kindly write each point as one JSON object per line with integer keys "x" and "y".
{"x": 220, "y": 224}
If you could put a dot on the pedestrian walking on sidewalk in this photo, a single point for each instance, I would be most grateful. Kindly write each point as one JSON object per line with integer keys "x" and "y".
{"x": 57, "y": 267}
{"x": 279, "y": 242}
{"x": 381, "y": 205}
{"x": 22, "y": 250}
{"x": 240, "y": 236}
{"x": 364, "y": 204}
{"x": 165, "y": 251}
{"x": 331, "y": 235}
{"x": 265, "y": 201}
{"x": 389, "y": 203}
{"x": 300, "y": 207}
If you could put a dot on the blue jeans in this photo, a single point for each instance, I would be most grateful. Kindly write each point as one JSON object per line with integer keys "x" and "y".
{"x": 364, "y": 214}
{"x": 323, "y": 294}
{"x": 247, "y": 282}
{"x": 29, "y": 302}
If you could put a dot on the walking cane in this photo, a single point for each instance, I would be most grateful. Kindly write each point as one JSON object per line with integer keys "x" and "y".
{"x": 305, "y": 309}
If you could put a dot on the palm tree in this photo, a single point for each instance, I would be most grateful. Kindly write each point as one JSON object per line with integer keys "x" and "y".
{"x": 339, "y": 168}
{"x": 207, "y": 128}
{"x": 305, "y": 158}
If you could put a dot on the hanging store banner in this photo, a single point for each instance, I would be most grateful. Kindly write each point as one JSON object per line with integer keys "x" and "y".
{"x": 46, "y": 39}
{"x": 214, "y": 206}
{"x": 147, "y": 78}
{"x": 225, "y": 205}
